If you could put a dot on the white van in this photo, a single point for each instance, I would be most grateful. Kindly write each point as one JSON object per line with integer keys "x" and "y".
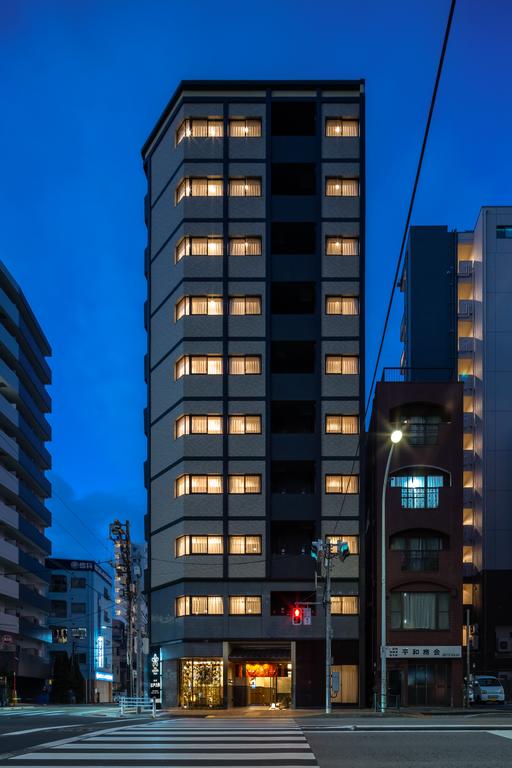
{"x": 485, "y": 688}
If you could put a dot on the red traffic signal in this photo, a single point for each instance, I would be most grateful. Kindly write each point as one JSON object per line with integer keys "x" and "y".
{"x": 297, "y": 615}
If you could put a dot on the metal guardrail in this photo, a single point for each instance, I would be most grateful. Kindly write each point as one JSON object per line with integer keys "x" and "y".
{"x": 136, "y": 705}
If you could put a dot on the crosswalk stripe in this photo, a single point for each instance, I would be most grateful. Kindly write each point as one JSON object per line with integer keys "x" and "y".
{"x": 195, "y": 756}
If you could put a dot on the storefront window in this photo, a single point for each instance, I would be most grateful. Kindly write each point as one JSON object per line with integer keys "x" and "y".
{"x": 201, "y": 683}
{"x": 261, "y": 684}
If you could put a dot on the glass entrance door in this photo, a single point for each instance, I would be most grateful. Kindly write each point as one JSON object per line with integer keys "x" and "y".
{"x": 428, "y": 685}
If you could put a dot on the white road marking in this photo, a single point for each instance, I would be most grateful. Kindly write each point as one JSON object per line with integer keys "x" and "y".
{"x": 503, "y": 734}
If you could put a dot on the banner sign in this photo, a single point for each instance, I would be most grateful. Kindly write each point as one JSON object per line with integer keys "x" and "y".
{"x": 155, "y": 676}
{"x": 422, "y": 651}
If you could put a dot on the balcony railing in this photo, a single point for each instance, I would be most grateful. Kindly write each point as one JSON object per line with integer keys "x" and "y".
{"x": 416, "y": 374}
{"x": 418, "y": 560}
{"x": 465, "y": 268}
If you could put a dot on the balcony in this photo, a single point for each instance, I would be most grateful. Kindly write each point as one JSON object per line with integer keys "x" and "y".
{"x": 465, "y": 308}
{"x": 34, "y": 599}
{"x": 9, "y": 623}
{"x": 469, "y": 422}
{"x": 293, "y": 566}
{"x": 30, "y": 531}
{"x": 34, "y": 567}
{"x": 419, "y": 560}
{"x": 465, "y": 269}
{"x": 34, "y": 630}
{"x": 9, "y": 588}
{"x": 468, "y": 495}
{"x": 468, "y": 459}
{"x": 467, "y": 346}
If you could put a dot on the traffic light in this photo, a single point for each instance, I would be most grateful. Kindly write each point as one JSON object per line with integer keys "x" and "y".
{"x": 297, "y": 615}
{"x": 343, "y": 550}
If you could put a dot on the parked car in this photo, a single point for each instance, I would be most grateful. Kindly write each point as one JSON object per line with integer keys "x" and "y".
{"x": 485, "y": 688}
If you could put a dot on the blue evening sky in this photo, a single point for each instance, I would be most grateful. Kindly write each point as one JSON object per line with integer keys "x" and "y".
{"x": 82, "y": 83}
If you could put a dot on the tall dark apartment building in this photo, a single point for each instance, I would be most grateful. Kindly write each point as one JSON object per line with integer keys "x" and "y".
{"x": 24, "y": 488}
{"x": 458, "y": 325}
{"x": 255, "y": 381}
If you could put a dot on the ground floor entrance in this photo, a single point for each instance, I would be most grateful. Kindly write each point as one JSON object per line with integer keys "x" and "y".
{"x": 427, "y": 684}
{"x": 261, "y": 684}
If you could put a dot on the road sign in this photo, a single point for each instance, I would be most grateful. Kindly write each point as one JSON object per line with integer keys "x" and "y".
{"x": 306, "y": 617}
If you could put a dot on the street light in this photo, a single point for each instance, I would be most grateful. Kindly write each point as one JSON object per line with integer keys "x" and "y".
{"x": 395, "y": 438}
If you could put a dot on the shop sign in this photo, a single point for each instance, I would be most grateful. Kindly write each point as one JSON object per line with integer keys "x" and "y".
{"x": 261, "y": 670}
{"x": 423, "y": 651}
{"x": 155, "y": 681}
{"x": 108, "y": 676}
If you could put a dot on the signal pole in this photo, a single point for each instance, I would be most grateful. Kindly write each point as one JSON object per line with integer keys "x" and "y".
{"x": 328, "y": 627}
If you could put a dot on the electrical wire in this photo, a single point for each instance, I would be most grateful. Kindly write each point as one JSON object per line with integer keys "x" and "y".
{"x": 394, "y": 284}
{"x": 75, "y": 514}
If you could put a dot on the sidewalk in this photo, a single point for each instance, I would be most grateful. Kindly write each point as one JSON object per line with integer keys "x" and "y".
{"x": 255, "y": 712}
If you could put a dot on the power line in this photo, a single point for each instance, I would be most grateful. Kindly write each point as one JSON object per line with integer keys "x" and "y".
{"x": 93, "y": 533}
{"x": 394, "y": 284}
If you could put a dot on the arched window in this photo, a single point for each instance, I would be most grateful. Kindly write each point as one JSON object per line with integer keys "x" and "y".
{"x": 420, "y": 486}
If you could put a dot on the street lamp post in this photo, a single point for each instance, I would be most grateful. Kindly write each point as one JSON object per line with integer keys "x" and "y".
{"x": 396, "y": 436}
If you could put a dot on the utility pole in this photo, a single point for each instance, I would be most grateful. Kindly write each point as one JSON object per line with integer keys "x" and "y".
{"x": 468, "y": 656}
{"x": 138, "y": 609}
{"x": 328, "y": 628}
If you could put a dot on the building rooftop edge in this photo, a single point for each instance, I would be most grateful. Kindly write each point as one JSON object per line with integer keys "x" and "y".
{"x": 234, "y": 85}
{"x": 11, "y": 286}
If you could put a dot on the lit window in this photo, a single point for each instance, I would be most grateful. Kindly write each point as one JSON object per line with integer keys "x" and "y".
{"x": 186, "y": 365}
{"x": 199, "y": 187}
{"x": 245, "y": 305}
{"x": 197, "y": 424}
{"x": 248, "y": 187}
{"x": 342, "y": 425}
{"x": 504, "y": 232}
{"x": 341, "y": 305}
{"x": 245, "y": 605}
{"x": 419, "y": 490}
{"x": 245, "y": 545}
{"x": 420, "y": 610}
{"x": 352, "y": 541}
{"x": 344, "y": 605}
{"x": 468, "y": 517}
{"x": 342, "y": 483}
{"x": 200, "y": 128}
{"x": 338, "y": 187}
{"x": 467, "y": 554}
{"x": 244, "y": 483}
{"x": 339, "y": 126}
{"x": 245, "y": 425}
{"x": 245, "y": 129}
{"x": 240, "y": 365}
{"x": 245, "y": 246}
{"x": 467, "y": 594}
{"x": 201, "y": 605}
{"x": 199, "y": 545}
{"x": 198, "y": 305}
{"x": 199, "y": 246}
{"x": 341, "y": 246}
{"x": 341, "y": 364}
{"x": 197, "y": 484}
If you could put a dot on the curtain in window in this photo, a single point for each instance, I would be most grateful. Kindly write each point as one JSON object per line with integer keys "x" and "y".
{"x": 215, "y": 305}
{"x": 181, "y": 427}
{"x": 252, "y": 484}
{"x": 215, "y": 246}
{"x": 350, "y": 365}
{"x": 253, "y": 187}
{"x": 199, "y": 305}
{"x": 181, "y": 485}
{"x": 236, "y": 484}
{"x": 237, "y": 425}
{"x": 350, "y": 187}
{"x": 198, "y": 364}
{"x": 333, "y": 424}
{"x": 199, "y": 129}
{"x": 341, "y": 483}
{"x": 253, "y": 246}
{"x": 245, "y": 128}
{"x": 181, "y": 308}
{"x": 350, "y": 425}
{"x": 419, "y": 610}
{"x": 333, "y": 364}
{"x": 199, "y": 545}
{"x": 253, "y": 545}
{"x": 198, "y": 187}
{"x": 182, "y": 190}
{"x": 181, "y": 132}
{"x": 349, "y": 305}
{"x": 333, "y": 127}
{"x": 237, "y": 187}
{"x": 215, "y": 128}
{"x": 214, "y": 365}
{"x": 214, "y": 483}
{"x": 237, "y": 545}
{"x": 253, "y": 604}
{"x": 198, "y": 484}
{"x": 237, "y": 605}
{"x": 252, "y": 364}
{"x": 181, "y": 367}
{"x": 215, "y": 545}
{"x": 182, "y": 249}
{"x": 181, "y": 546}
{"x": 350, "y": 128}
{"x": 237, "y": 246}
{"x": 199, "y": 246}
{"x": 350, "y": 246}
{"x": 199, "y": 605}
{"x": 350, "y": 605}
{"x": 253, "y": 425}
{"x": 237, "y": 305}
{"x": 215, "y": 605}
{"x": 334, "y": 305}
{"x": 182, "y": 606}
{"x": 334, "y": 246}
{"x": 199, "y": 425}
{"x": 214, "y": 425}
{"x": 245, "y": 246}
{"x": 333, "y": 187}
{"x": 252, "y": 305}
{"x": 215, "y": 188}
{"x": 237, "y": 365}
